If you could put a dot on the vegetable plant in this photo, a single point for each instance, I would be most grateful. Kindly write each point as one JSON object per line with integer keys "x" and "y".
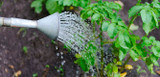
{"x": 122, "y": 39}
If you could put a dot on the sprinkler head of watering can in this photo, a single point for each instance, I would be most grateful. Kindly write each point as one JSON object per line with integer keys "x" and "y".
{"x": 48, "y": 25}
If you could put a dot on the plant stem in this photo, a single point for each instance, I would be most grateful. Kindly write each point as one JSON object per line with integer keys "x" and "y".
{"x": 127, "y": 60}
{"x": 125, "y": 63}
{"x": 132, "y": 20}
{"x": 102, "y": 52}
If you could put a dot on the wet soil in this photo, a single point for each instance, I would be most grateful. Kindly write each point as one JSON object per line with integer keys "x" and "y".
{"x": 41, "y": 51}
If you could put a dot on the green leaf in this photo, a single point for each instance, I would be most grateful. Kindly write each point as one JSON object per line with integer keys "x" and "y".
{"x": 52, "y": 6}
{"x": 134, "y": 10}
{"x": 134, "y": 55}
{"x": 90, "y": 13}
{"x": 156, "y": 5}
{"x": 35, "y": 75}
{"x": 147, "y": 28}
{"x": 95, "y": 17}
{"x": 146, "y": 42}
{"x": 112, "y": 30}
{"x": 122, "y": 54}
{"x": 37, "y": 4}
{"x": 155, "y": 19}
{"x": 78, "y": 56}
{"x": 115, "y": 69}
{"x": 155, "y": 52}
{"x": 25, "y": 49}
{"x": 67, "y": 2}
{"x": 146, "y": 16}
{"x": 117, "y": 75}
{"x": 152, "y": 39}
{"x": 81, "y": 62}
{"x": 154, "y": 60}
{"x": 140, "y": 51}
{"x": 134, "y": 39}
{"x": 150, "y": 68}
{"x": 109, "y": 69}
{"x": 105, "y": 25}
{"x": 124, "y": 39}
{"x": 115, "y": 6}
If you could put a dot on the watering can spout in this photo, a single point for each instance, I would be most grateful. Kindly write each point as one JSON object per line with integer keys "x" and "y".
{"x": 48, "y": 25}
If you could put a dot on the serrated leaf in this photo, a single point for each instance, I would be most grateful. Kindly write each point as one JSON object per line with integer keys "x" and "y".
{"x": 146, "y": 16}
{"x": 134, "y": 55}
{"x": 105, "y": 25}
{"x": 112, "y": 30}
{"x": 134, "y": 10}
{"x": 95, "y": 17}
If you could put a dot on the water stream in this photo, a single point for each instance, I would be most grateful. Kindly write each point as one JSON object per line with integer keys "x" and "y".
{"x": 75, "y": 34}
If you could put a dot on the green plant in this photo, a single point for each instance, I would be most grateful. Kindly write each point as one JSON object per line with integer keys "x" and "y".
{"x": 53, "y": 6}
{"x": 35, "y": 75}
{"x": 60, "y": 69}
{"x": 47, "y": 66}
{"x": 25, "y": 49}
{"x": 139, "y": 71}
{"x": 123, "y": 40}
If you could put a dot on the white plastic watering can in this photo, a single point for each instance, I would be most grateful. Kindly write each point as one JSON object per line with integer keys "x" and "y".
{"x": 48, "y": 25}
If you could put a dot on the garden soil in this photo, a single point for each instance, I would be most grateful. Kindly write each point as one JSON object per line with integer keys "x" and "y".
{"x": 40, "y": 50}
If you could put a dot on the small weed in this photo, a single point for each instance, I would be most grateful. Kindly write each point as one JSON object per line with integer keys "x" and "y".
{"x": 35, "y": 75}
{"x": 25, "y": 49}
{"x": 60, "y": 69}
{"x": 139, "y": 71}
{"x": 47, "y": 66}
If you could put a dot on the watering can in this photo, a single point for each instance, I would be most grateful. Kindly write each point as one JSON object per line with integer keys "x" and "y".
{"x": 48, "y": 25}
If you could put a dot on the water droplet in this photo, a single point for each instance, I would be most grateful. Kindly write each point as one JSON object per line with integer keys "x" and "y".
{"x": 58, "y": 71}
{"x": 63, "y": 62}
{"x": 61, "y": 57}
{"x": 56, "y": 47}
{"x": 61, "y": 53}
{"x": 57, "y": 54}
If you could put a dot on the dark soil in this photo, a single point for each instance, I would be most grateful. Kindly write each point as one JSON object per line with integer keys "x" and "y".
{"x": 40, "y": 49}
